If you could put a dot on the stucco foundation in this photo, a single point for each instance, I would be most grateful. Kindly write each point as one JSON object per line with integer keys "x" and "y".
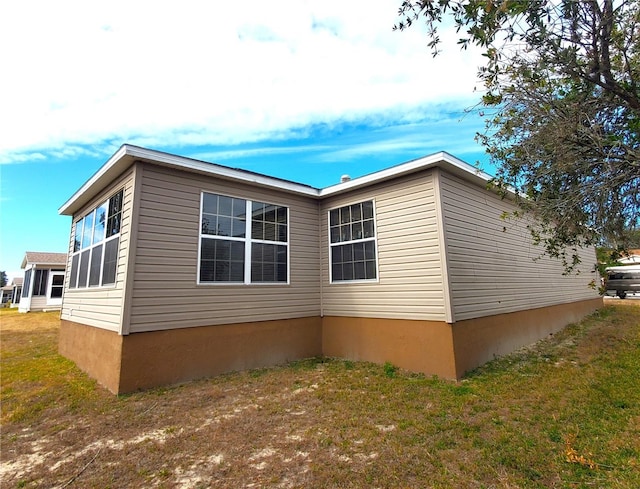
{"x": 419, "y": 346}
{"x": 445, "y": 350}
{"x": 144, "y": 360}
{"x": 96, "y": 351}
{"x": 476, "y": 341}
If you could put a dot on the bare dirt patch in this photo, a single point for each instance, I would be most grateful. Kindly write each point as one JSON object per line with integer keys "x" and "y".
{"x": 328, "y": 423}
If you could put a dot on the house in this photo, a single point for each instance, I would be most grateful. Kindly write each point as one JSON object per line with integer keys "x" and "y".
{"x": 181, "y": 269}
{"x": 43, "y": 281}
{"x": 6, "y": 295}
{"x": 16, "y": 291}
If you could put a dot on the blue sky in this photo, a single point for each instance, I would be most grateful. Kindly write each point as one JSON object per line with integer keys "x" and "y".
{"x": 305, "y": 91}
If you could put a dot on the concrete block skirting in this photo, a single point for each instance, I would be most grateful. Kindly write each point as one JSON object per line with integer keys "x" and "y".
{"x": 145, "y": 360}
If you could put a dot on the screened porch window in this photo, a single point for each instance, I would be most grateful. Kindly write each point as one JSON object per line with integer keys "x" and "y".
{"x": 96, "y": 239}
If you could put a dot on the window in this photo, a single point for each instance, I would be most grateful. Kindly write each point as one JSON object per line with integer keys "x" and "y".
{"x": 95, "y": 247}
{"x": 352, "y": 242}
{"x": 40, "y": 282}
{"x": 26, "y": 284}
{"x": 237, "y": 249}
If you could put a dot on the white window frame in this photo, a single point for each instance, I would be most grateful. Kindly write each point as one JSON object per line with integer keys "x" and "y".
{"x": 373, "y": 239}
{"x": 247, "y": 240}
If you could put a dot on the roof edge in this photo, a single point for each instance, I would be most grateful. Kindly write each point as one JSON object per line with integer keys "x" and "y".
{"x": 128, "y": 154}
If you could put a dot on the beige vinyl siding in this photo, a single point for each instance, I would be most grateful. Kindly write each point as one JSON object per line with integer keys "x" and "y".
{"x": 409, "y": 284}
{"x": 494, "y": 267}
{"x": 102, "y": 306}
{"x": 165, "y": 292}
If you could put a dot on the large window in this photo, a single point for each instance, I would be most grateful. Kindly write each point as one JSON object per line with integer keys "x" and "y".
{"x": 95, "y": 247}
{"x": 352, "y": 242}
{"x": 235, "y": 248}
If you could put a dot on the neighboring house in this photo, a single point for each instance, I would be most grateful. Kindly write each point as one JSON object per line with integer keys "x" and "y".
{"x": 6, "y": 295}
{"x": 16, "y": 291}
{"x": 180, "y": 269}
{"x": 43, "y": 281}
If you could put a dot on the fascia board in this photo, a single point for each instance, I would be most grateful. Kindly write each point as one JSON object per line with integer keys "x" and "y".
{"x": 441, "y": 159}
{"x": 127, "y": 154}
{"x": 113, "y": 166}
{"x": 221, "y": 171}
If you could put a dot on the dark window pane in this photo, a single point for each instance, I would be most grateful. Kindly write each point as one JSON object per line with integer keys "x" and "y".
{"x": 94, "y": 267}
{"x": 370, "y": 250}
{"x": 356, "y": 230}
{"x": 347, "y": 252}
{"x": 370, "y": 269}
{"x": 113, "y": 225}
{"x": 270, "y": 213}
{"x": 256, "y": 271}
{"x": 115, "y": 214}
{"x": 239, "y": 208}
{"x": 347, "y": 271}
{"x": 224, "y": 226}
{"x": 336, "y": 271}
{"x": 84, "y": 268}
{"x": 282, "y": 273}
{"x": 257, "y": 230}
{"x": 334, "y": 217}
{"x": 237, "y": 251}
{"x": 209, "y": 224}
{"x": 225, "y": 206}
{"x": 345, "y": 233}
{"x": 238, "y": 228}
{"x": 206, "y": 270}
{"x": 367, "y": 229}
{"x": 359, "y": 271}
{"x": 207, "y": 249}
{"x": 282, "y": 215}
{"x": 222, "y": 272}
{"x": 210, "y": 203}
{"x": 356, "y": 212}
{"x": 281, "y": 254}
{"x": 335, "y": 234}
{"x": 282, "y": 233}
{"x": 336, "y": 254}
{"x": 269, "y": 231}
{"x": 237, "y": 271}
{"x": 115, "y": 203}
{"x": 223, "y": 250}
{"x": 73, "y": 276}
{"x": 257, "y": 211}
{"x": 358, "y": 252}
{"x": 367, "y": 210}
{"x": 110, "y": 262}
{"x": 345, "y": 215}
{"x": 269, "y": 272}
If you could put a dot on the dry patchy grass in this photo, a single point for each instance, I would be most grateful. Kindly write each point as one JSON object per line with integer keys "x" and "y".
{"x": 562, "y": 413}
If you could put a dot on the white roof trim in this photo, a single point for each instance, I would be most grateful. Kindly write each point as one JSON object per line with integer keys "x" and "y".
{"x": 405, "y": 168}
{"x": 128, "y": 154}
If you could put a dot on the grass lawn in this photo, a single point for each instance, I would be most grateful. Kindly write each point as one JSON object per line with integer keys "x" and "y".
{"x": 563, "y": 413}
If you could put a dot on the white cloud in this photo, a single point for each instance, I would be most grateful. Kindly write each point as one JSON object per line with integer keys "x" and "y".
{"x": 202, "y": 72}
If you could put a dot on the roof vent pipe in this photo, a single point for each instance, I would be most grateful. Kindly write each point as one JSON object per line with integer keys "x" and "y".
{"x": 344, "y": 178}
